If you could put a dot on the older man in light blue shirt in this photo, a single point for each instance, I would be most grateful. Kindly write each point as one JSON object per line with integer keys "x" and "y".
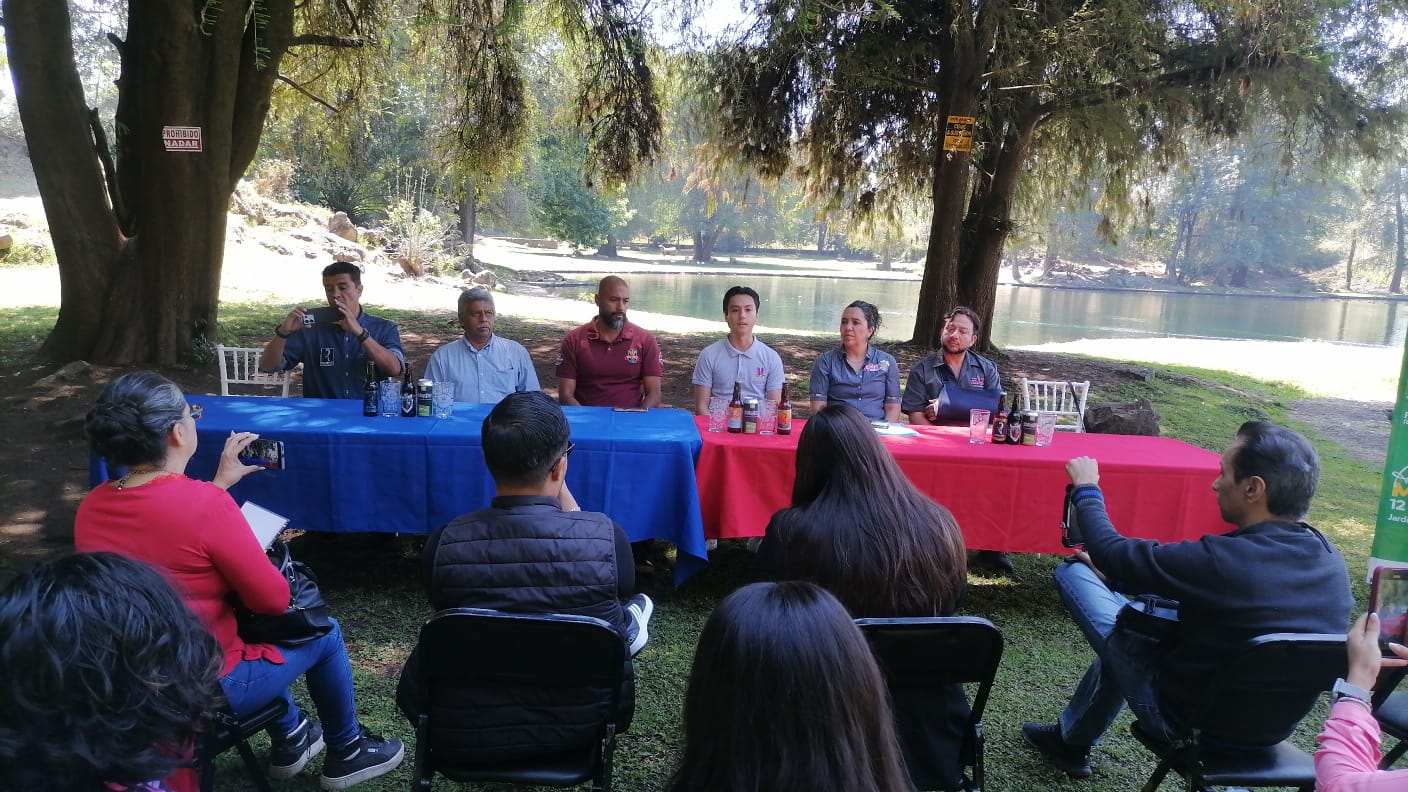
{"x": 484, "y": 367}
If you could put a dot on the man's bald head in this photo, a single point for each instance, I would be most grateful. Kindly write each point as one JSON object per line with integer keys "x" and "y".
{"x": 612, "y": 297}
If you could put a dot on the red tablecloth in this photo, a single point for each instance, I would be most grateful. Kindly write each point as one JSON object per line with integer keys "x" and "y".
{"x": 1005, "y": 497}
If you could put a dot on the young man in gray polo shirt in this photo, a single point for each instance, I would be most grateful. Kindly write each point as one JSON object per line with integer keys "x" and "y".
{"x": 740, "y": 357}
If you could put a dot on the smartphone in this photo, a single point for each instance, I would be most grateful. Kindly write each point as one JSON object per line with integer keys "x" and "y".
{"x": 323, "y": 315}
{"x": 1388, "y": 597}
{"x": 1071, "y": 535}
{"x": 265, "y": 453}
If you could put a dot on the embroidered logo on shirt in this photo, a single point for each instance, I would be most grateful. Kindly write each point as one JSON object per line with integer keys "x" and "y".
{"x": 976, "y": 381}
{"x": 884, "y": 365}
{"x": 325, "y": 356}
{"x": 559, "y": 359}
{"x": 762, "y": 372}
{"x": 633, "y": 356}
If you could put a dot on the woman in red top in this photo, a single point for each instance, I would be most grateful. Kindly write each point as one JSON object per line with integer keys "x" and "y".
{"x": 194, "y": 533}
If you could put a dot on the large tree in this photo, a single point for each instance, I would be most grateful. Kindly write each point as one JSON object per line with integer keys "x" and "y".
{"x": 139, "y": 231}
{"x": 861, "y": 95}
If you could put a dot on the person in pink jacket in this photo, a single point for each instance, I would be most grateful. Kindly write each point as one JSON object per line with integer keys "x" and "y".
{"x": 1348, "y": 758}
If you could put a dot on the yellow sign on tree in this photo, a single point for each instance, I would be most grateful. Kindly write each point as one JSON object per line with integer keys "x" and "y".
{"x": 958, "y": 135}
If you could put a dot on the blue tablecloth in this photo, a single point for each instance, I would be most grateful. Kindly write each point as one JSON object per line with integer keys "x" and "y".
{"x": 348, "y": 473}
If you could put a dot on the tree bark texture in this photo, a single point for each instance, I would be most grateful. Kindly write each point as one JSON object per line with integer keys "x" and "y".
{"x": 142, "y": 281}
{"x": 1395, "y": 285}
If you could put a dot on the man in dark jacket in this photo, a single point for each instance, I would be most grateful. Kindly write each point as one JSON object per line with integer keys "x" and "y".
{"x": 1272, "y": 574}
{"x": 532, "y": 551}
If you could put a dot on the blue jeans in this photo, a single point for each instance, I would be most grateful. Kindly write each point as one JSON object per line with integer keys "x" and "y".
{"x": 253, "y": 683}
{"x": 1122, "y": 671}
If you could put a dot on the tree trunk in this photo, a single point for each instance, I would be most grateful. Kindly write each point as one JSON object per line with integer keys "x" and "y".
{"x": 704, "y": 240}
{"x": 469, "y": 215}
{"x": 1050, "y": 260}
{"x": 989, "y": 218}
{"x": 1016, "y": 269}
{"x": 127, "y": 296}
{"x": 608, "y": 248}
{"x": 884, "y": 265}
{"x": 1395, "y": 285}
{"x": 1349, "y": 263}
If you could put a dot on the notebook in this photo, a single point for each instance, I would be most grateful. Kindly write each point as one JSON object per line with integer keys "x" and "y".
{"x": 265, "y": 524}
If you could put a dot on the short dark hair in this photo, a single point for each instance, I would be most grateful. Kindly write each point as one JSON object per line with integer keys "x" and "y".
{"x": 134, "y": 413}
{"x": 344, "y": 268}
{"x": 753, "y": 718}
{"x": 474, "y": 295}
{"x": 1283, "y": 459}
{"x": 858, "y": 527}
{"x": 734, "y": 291}
{"x": 963, "y": 310}
{"x": 523, "y": 437}
{"x": 872, "y": 314}
{"x": 105, "y": 675}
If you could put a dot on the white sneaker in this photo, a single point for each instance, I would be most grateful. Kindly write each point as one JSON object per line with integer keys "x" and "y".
{"x": 640, "y": 608}
{"x": 711, "y": 544}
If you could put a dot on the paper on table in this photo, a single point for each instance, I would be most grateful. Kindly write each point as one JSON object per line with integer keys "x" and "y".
{"x": 893, "y": 429}
{"x": 264, "y": 523}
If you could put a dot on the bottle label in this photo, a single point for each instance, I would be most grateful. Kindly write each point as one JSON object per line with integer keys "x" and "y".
{"x": 735, "y": 419}
{"x": 784, "y": 421}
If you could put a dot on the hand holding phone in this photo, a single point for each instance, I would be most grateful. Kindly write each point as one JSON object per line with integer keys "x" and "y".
{"x": 321, "y": 315}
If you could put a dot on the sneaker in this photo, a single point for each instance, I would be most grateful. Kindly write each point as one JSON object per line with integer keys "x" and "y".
{"x": 1073, "y": 759}
{"x": 639, "y": 608}
{"x": 711, "y": 545}
{"x": 995, "y": 560}
{"x": 288, "y": 755}
{"x": 368, "y": 757}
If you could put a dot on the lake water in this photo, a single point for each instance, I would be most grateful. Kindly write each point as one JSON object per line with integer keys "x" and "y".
{"x": 1028, "y": 316}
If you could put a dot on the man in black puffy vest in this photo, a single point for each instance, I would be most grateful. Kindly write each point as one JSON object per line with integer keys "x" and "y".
{"x": 533, "y": 550}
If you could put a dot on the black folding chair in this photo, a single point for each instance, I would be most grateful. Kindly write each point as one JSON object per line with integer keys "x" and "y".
{"x": 1237, "y": 728}
{"x": 922, "y": 658}
{"x": 1391, "y": 711}
{"x": 510, "y": 678}
{"x": 228, "y": 731}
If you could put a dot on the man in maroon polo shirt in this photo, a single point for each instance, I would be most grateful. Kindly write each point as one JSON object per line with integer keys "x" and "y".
{"x": 609, "y": 362}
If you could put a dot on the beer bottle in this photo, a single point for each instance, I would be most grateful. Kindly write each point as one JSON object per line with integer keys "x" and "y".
{"x": 408, "y": 393}
{"x": 369, "y": 392}
{"x": 784, "y": 413}
{"x": 735, "y": 409}
{"x": 999, "y": 424}
{"x": 1014, "y": 426}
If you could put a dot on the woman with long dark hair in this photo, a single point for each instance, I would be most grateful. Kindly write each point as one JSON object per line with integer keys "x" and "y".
{"x": 105, "y": 677}
{"x": 194, "y": 533}
{"x": 785, "y": 695}
{"x": 857, "y": 373}
{"x": 859, "y": 528}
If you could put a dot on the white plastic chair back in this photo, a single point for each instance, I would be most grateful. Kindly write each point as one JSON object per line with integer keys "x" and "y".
{"x": 1066, "y": 399}
{"x": 240, "y": 366}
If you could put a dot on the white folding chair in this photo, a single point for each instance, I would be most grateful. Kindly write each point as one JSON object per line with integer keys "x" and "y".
{"x": 1066, "y": 399}
{"x": 240, "y": 366}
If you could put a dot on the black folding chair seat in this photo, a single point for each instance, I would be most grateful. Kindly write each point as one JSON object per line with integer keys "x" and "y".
{"x": 466, "y": 653}
{"x": 1252, "y": 703}
{"x": 923, "y": 657}
{"x": 228, "y": 731}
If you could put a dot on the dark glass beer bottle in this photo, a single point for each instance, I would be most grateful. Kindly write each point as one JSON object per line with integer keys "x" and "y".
{"x": 1014, "y": 426}
{"x": 999, "y": 424}
{"x": 735, "y": 409}
{"x": 784, "y": 413}
{"x": 369, "y": 393}
{"x": 408, "y": 393}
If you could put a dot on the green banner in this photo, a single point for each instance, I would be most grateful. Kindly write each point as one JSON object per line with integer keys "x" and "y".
{"x": 1391, "y": 530}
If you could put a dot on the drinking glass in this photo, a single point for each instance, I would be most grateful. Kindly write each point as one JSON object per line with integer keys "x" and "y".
{"x": 443, "y": 399}
{"x": 389, "y": 398}
{"x": 1045, "y": 428}
{"x": 718, "y": 413}
{"x": 978, "y": 426}
{"x": 767, "y": 417}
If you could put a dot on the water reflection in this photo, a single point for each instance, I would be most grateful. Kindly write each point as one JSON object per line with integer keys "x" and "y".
{"x": 1027, "y": 316}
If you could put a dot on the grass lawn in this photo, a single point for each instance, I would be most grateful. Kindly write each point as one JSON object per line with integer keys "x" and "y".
{"x": 372, "y": 585}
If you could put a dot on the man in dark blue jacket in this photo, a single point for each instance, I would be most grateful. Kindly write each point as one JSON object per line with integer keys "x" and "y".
{"x": 1273, "y": 573}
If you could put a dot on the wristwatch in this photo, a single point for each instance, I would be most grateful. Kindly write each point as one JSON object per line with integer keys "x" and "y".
{"x": 1346, "y": 690}
{"x": 362, "y": 339}
{"x": 281, "y": 333}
